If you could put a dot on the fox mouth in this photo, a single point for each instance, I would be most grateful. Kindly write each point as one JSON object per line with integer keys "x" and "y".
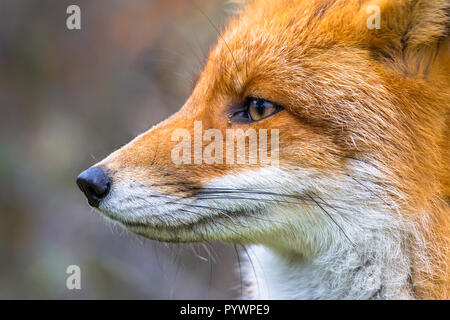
{"x": 231, "y": 208}
{"x": 208, "y": 227}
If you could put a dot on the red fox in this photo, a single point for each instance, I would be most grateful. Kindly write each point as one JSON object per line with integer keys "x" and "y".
{"x": 356, "y": 202}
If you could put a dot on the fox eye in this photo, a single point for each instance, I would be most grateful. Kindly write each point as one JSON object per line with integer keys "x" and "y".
{"x": 259, "y": 109}
{"x": 256, "y": 110}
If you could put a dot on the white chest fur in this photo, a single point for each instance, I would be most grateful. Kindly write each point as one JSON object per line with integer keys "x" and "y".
{"x": 273, "y": 276}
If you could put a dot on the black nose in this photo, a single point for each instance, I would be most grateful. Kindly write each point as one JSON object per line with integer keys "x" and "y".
{"x": 95, "y": 185}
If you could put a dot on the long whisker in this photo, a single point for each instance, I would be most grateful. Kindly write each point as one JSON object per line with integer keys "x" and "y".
{"x": 240, "y": 268}
{"x": 253, "y": 268}
{"x": 332, "y": 219}
{"x": 220, "y": 36}
{"x": 231, "y": 212}
{"x": 234, "y": 194}
{"x": 223, "y": 225}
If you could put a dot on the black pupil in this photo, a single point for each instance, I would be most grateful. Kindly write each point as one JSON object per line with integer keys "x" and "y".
{"x": 260, "y": 106}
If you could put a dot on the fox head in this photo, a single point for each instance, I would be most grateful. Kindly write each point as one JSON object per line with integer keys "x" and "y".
{"x": 350, "y": 102}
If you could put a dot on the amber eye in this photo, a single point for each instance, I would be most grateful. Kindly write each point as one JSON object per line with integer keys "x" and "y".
{"x": 253, "y": 109}
{"x": 259, "y": 109}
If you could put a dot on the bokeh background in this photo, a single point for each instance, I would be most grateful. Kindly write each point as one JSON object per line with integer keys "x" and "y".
{"x": 69, "y": 98}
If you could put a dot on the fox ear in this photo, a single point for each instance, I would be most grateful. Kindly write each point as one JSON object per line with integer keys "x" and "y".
{"x": 409, "y": 33}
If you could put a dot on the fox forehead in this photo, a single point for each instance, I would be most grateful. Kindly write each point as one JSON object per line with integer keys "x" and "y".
{"x": 268, "y": 32}
{"x": 286, "y": 51}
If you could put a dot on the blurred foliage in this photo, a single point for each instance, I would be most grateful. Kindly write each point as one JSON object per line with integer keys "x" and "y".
{"x": 67, "y": 99}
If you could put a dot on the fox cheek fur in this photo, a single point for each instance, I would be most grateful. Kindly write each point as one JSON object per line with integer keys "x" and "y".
{"x": 358, "y": 205}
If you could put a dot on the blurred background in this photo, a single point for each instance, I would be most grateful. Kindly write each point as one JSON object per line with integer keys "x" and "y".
{"x": 70, "y": 97}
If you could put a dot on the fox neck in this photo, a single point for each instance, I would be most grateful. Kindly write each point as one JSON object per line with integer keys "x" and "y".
{"x": 373, "y": 262}
{"x": 342, "y": 272}
{"x": 274, "y": 275}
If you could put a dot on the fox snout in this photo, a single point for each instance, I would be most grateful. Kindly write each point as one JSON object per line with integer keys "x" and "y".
{"x": 95, "y": 184}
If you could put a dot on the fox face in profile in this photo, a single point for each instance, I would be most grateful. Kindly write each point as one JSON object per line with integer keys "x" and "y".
{"x": 354, "y": 200}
